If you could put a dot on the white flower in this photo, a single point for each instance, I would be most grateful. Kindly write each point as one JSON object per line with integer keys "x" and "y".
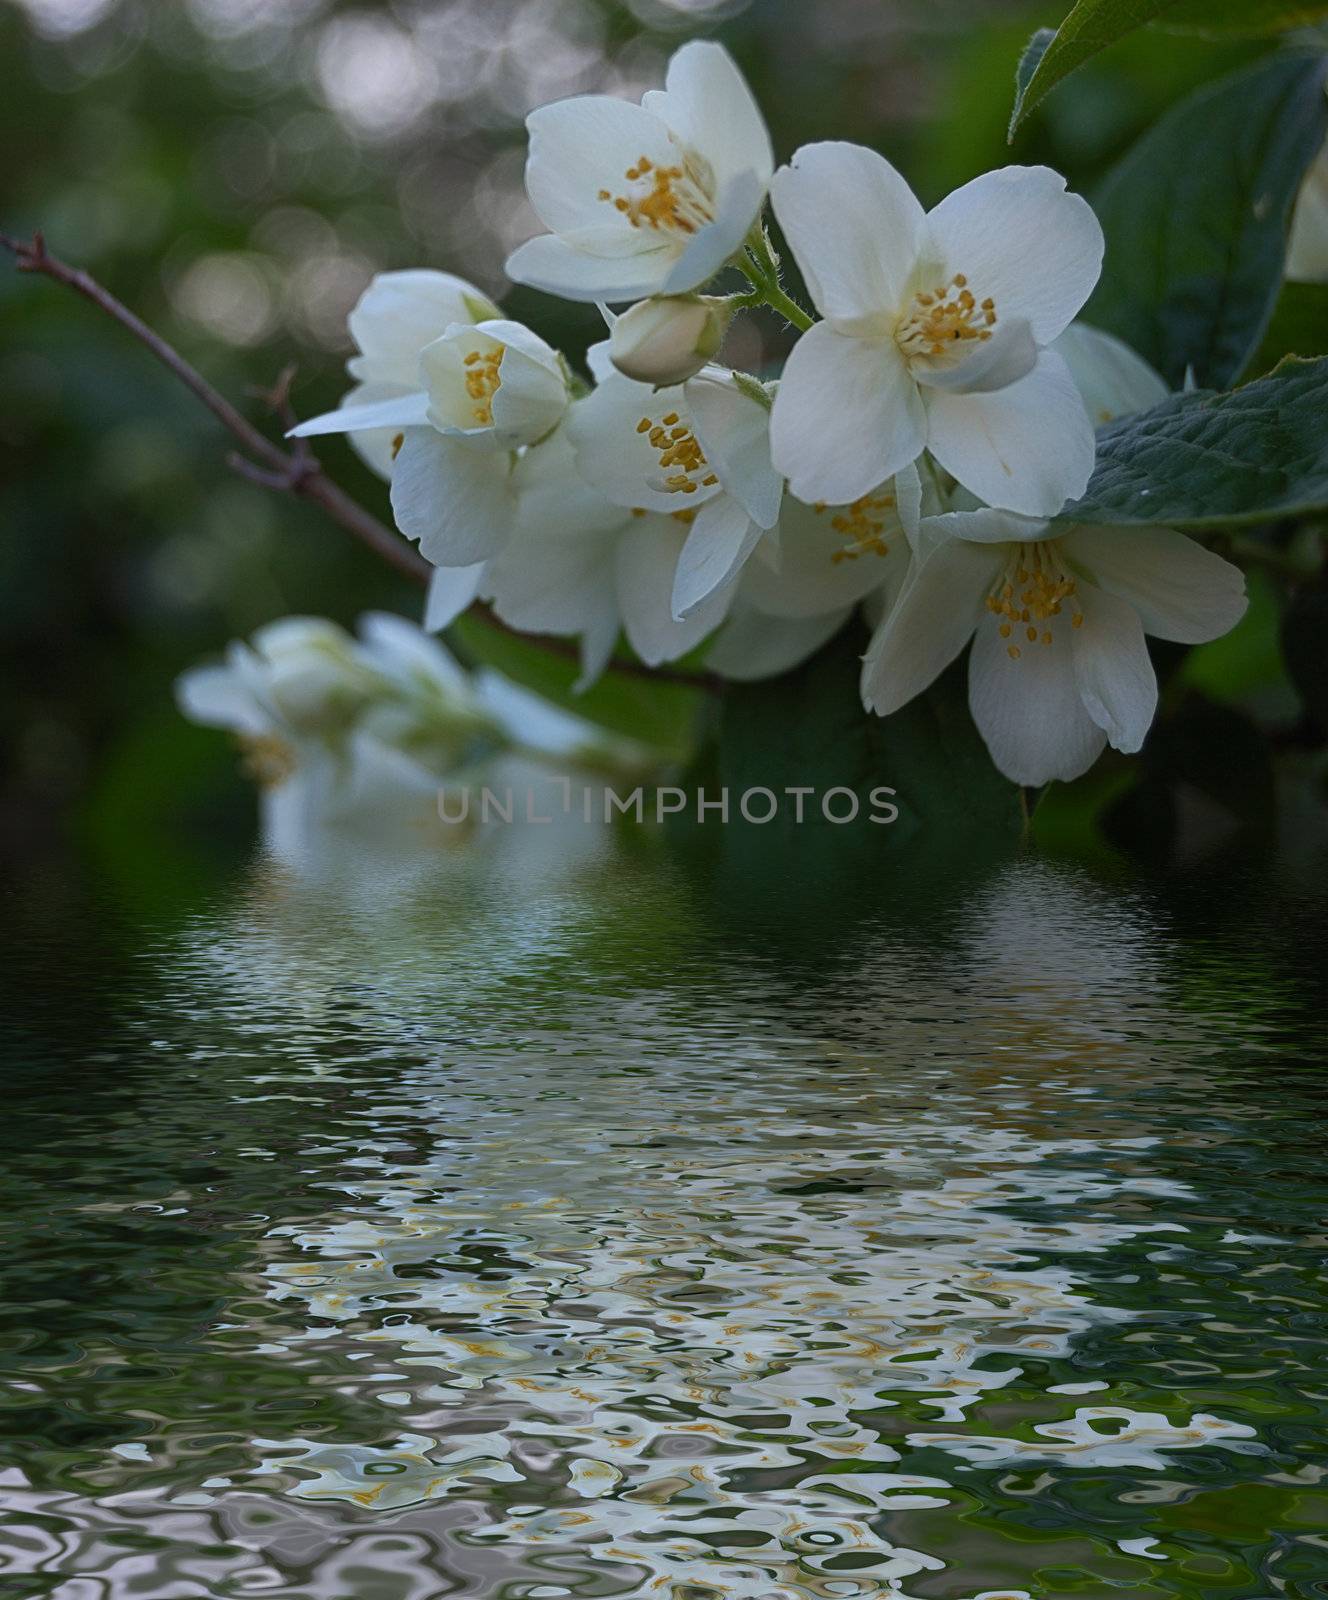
{"x": 1112, "y": 380}
{"x": 582, "y": 565}
{"x": 396, "y": 316}
{"x": 701, "y": 455}
{"x": 1057, "y": 616}
{"x": 648, "y": 199}
{"x": 482, "y": 391}
{"x": 935, "y": 332}
{"x": 828, "y": 558}
{"x": 1307, "y": 252}
{"x": 668, "y": 340}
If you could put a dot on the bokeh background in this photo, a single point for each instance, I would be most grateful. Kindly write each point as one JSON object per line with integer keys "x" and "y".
{"x": 236, "y": 170}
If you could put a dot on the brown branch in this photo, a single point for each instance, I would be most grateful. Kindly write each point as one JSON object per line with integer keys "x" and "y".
{"x": 296, "y": 471}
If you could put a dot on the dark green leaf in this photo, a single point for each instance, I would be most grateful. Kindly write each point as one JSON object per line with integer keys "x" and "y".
{"x": 1196, "y": 218}
{"x": 808, "y": 728}
{"x": 1090, "y": 27}
{"x": 1227, "y": 19}
{"x": 1208, "y": 460}
{"x": 1299, "y": 327}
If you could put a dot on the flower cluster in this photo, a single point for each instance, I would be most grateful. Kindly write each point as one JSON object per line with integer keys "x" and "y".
{"x": 336, "y": 729}
{"x": 914, "y": 459}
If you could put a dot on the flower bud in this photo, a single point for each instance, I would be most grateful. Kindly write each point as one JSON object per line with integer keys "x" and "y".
{"x": 669, "y": 339}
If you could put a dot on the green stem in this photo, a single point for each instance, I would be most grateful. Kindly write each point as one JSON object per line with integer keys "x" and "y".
{"x": 787, "y": 307}
{"x": 766, "y": 291}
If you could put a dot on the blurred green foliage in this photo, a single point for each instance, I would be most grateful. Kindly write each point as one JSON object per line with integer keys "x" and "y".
{"x": 235, "y": 170}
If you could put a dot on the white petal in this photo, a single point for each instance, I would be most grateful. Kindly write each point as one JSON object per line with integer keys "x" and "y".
{"x": 718, "y": 542}
{"x": 1180, "y": 590}
{"x": 399, "y": 313}
{"x": 645, "y": 561}
{"x": 986, "y": 526}
{"x": 582, "y": 147}
{"x": 1307, "y": 250}
{"x": 734, "y": 431}
{"x": 1010, "y": 354}
{"x": 529, "y": 720}
{"x": 908, "y": 493}
{"x": 558, "y": 267}
{"x": 531, "y": 395}
{"x": 1022, "y": 241}
{"x": 376, "y": 447}
{"x": 219, "y": 698}
{"x": 405, "y": 652}
{"x": 403, "y": 411}
{"x": 753, "y": 645}
{"x": 454, "y": 499}
{"x": 1112, "y": 379}
{"x": 554, "y": 585}
{"x": 928, "y": 625}
{"x": 618, "y": 459}
{"x": 451, "y": 591}
{"x": 708, "y": 106}
{"x": 1028, "y": 710}
{"x": 737, "y": 208}
{"x": 814, "y": 572}
{"x": 854, "y": 226}
{"x": 597, "y": 644}
{"x": 1112, "y": 671}
{"x": 846, "y": 417}
{"x": 1028, "y": 447}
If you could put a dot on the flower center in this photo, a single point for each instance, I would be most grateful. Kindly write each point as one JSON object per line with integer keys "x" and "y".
{"x": 1031, "y": 593}
{"x": 861, "y": 525}
{"x": 266, "y": 759}
{"x": 681, "y": 458}
{"x": 483, "y": 382}
{"x": 672, "y": 199}
{"x": 942, "y": 323}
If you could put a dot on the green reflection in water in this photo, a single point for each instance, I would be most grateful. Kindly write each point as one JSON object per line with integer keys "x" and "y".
{"x": 404, "y": 1227}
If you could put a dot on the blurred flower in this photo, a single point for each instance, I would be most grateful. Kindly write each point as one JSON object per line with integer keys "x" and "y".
{"x": 1307, "y": 252}
{"x": 333, "y": 727}
{"x": 1059, "y": 667}
{"x": 669, "y": 339}
{"x": 935, "y": 332}
{"x": 648, "y": 199}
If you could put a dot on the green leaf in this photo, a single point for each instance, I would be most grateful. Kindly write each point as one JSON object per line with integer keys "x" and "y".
{"x": 1091, "y": 26}
{"x": 1205, "y": 460}
{"x": 808, "y": 728}
{"x": 1196, "y": 218}
{"x": 1299, "y": 327}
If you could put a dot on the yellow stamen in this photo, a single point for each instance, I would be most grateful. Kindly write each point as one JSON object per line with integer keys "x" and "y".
{"x": 940, "y": 325}
{"x": 1033, "y": 590}
{"x": 862, "y": 525}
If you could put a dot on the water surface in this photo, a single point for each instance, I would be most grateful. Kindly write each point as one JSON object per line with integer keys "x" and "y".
{"x": 422, "y": 1227}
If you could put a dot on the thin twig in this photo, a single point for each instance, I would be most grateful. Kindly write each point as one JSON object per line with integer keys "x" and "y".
{"x": 296, "y": 471}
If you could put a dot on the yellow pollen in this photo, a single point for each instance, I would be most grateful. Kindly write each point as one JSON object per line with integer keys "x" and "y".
{"x": 1033, "y": 590}
{"x": 862, "y": 526}
{"x": 397, "y": 444}
{"x": 943, "y": 322}
{"x": 483, "y": 381}
{"x": 671, "y": 199}
{"x": 266, "y": 759}
{"x": 680, "y": 455}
